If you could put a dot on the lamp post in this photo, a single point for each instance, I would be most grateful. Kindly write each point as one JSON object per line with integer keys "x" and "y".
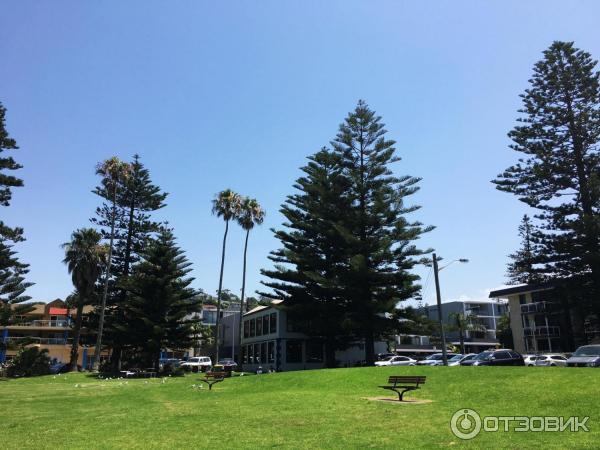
{"x": 436, "y": 271}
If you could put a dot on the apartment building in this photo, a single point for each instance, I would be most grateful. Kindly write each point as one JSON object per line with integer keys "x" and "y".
{"x": 543, "y": 318}
{"x": 49, "y": 326}
{"x": 487, "y": 313}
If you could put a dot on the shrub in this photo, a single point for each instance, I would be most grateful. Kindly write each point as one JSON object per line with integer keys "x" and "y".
{"x": 29, "y": 362}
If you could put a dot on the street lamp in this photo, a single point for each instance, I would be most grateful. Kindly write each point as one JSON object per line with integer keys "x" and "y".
{"x": 439, "y": 302}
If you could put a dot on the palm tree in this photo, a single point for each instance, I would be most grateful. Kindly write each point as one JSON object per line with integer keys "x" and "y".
{"x": 227, "y": 206}
{"x": 463, "y": 323}
{"x": 113, "y": 172}
{"x": 251, "y": 213}
{"x": 84, "y": 257}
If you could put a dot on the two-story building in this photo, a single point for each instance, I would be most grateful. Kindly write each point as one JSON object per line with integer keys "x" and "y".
{"x": 49, "y": 326}
{"x": 271, "y": 341}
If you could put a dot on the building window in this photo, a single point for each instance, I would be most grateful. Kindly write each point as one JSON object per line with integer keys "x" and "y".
{"x": 273, "y": 323}
{"x": 263, "y": 353}
{"x": 290, "y": 325}
{"x": 257, "y": 353}
{"x": 522, "y": 299}
{"x": 246, "y": 329}
{"x": 252, "y": 328}
{"x": 265, "y": 321}
{"x": 293, "y": 351}
{"x": 244, "y": 354}
{"x": 314, "y": 351}
{"x": 259, "y": 327}
{"x": 250, "y": 352}
{"x": 271, "y": 348}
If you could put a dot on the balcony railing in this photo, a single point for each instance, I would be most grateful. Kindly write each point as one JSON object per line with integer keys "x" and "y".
{"x": 37, "y": 340}
{"x": 543, "y": 331}
{"x": 538, "y": 307}
{"x": 46, "y": 323}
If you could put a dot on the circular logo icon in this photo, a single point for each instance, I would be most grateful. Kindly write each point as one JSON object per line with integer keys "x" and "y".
{"x": 465, "y": 424}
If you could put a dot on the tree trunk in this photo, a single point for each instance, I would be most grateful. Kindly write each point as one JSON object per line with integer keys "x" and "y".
{"x": 462, "y": 341}
{"x": 216, "y": 334}
{"x": 105, "y": 293}
{"x": 330, "y": 353}
{"x": 369, "y": 348}
{"x": 76, "y": 336}
{"x": 240, "y": 325}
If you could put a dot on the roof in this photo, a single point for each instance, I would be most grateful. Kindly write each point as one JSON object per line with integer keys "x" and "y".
{"x": 263, "y": 307}
{"x": 505, "y": 291}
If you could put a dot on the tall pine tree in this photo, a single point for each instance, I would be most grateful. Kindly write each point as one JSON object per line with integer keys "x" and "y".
{"x": 558, "y": 172}
{"x": 310, "y": 266}
{"x": 381, "y": 238}
{"x": 137, "y": 199}
{"x": 161, "y": 299}
{"x": 12, "y": 272}
{"x": 347, "y": 258}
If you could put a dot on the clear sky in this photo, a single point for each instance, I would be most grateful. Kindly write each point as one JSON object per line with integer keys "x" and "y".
{"x": 238, "y": 93}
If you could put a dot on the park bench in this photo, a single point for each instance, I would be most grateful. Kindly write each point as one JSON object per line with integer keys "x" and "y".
{"x": 211, "y": 378}
{"x": 402, "y": 384}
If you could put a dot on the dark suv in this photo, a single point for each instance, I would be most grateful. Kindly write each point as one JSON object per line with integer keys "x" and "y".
{"x": 496, "y": 358}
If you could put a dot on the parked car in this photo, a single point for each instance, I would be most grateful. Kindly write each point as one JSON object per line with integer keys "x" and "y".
{"x": 197, "y": 363}
{"x": 396, "y": 361}
{"x": 586, "y": 356}
{"x": 551, "y": 360}
{"x": 457, "y": 359}
{"x": 229, "y": 365}
{"x": 501, "y": 357}
{"x": 437, "y": 359}
{"x": 384, "y": 356}
{"x": 529, "y": 360}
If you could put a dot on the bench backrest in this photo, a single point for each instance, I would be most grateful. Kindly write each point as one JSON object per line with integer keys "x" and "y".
{"x": 404, "y": 379}
{"x": 215, "y": 374}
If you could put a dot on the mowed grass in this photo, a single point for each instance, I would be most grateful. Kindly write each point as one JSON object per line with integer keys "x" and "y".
{"x": 308, "y": 409}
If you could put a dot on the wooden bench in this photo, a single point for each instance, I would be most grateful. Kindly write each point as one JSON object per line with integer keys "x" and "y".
{"x": 402, "y": 384}
{"x": 211, "y": 378}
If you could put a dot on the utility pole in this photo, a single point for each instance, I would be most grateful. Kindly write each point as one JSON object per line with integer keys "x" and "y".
{"x": 439, "y": 309}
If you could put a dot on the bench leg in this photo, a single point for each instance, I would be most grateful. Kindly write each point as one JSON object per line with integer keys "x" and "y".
{"x": 401, "y": 393}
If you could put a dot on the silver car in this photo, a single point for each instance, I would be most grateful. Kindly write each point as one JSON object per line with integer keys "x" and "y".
{"x": 551, "y": 360}
{"x": 586, "y": 356}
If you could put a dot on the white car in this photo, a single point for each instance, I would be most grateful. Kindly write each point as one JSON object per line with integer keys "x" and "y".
{"x": 551, "y": 360}
{"x": 456, "y": 360}
{"x": 436, "y": 359}
{"x": 529, "y": 360}
{"x": 396, "y": 361}
{"x": 197, "y": 363}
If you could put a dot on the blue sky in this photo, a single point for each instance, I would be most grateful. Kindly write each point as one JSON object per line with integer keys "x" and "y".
{"x": 237, "y": 94}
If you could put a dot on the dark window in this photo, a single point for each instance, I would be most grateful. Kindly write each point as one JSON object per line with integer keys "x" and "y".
{"x": 252, "y": 328}
{"x": 257, "y": 353}
{"x": 293, "y": 350}
{"x": 265, "y": 321}
{"x": 263, "y": 353}
{"x": 273, "y": 323}
{"x": 290, "y": 325}
{"x": 259, "y": 328}
{"x": 522, "y": 300}
{"x": 244, "y": 354}
{"x": 271, "y": 352}
{"x": 246, "y": 329}
{"x": 314, "y": 351}
{"x": 250, "y": 352}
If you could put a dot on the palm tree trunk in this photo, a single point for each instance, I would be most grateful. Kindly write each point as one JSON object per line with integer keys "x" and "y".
{"x": 105, "y": 293}
{"x": 219, "y": 295}
{"x": 462, "y": 341}
{"x": 76, "y": 336}
{"x": 239, "y": 340}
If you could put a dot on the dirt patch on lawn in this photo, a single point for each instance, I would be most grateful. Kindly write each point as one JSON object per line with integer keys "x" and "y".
{"x": 396, "y": 402}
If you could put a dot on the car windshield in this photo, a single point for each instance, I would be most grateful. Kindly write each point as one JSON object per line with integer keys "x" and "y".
{"x": 483, "y": 356}
{"x": 456, "y": 358}
{"x": 434, "y": 357}
{"x": 194, "y": 360}
{"x": 469, "y": 357}
{"x": 588, "y": 351}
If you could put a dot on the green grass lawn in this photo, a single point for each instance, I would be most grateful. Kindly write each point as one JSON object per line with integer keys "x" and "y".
{"x": 310, "y": 409}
